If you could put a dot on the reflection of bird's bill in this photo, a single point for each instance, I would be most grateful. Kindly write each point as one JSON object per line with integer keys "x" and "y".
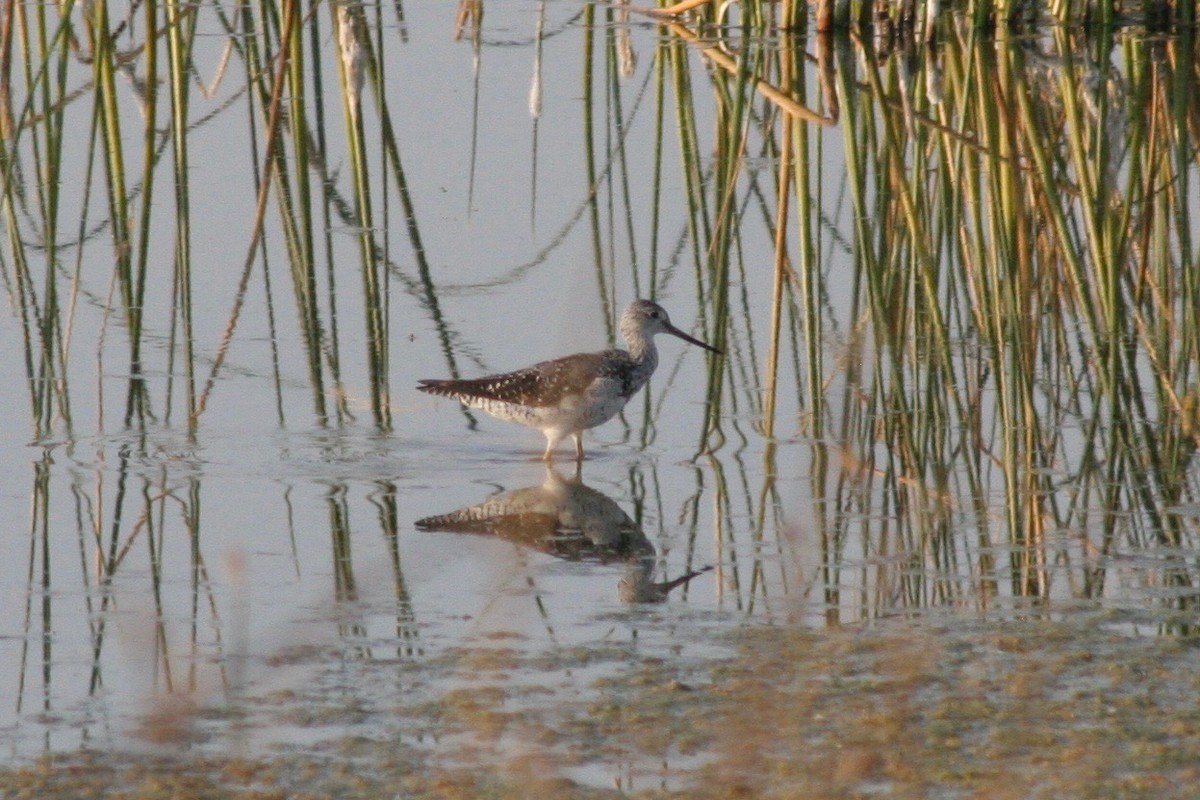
{"x": 637, "y": 586}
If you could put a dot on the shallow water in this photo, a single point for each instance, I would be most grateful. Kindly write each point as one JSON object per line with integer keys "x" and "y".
{"x": 267, "y": 584}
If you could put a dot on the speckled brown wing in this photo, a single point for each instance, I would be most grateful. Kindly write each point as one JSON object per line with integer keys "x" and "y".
{"x": 544, "y": 384}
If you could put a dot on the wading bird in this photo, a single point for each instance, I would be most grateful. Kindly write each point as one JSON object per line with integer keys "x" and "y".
{"x": 566, "y": 396}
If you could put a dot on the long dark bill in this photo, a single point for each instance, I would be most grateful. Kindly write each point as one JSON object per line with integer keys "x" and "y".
{"x": 671, "y": 329}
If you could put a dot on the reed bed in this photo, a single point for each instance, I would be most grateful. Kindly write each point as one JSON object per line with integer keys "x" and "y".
{"x": 922, "y": 18}
{"x": 1003, "y": 406}
{"x": 99, "y": 116}
{"x": 66, "y": 82}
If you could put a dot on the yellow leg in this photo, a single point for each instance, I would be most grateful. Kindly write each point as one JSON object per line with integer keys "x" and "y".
{"x": 552, "y": 441}
{"x": 578, "y": 446}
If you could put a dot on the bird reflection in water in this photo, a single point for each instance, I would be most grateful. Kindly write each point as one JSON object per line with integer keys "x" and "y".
{"x": 570, "y": 520}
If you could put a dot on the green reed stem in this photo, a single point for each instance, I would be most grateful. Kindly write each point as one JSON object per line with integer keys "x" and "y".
{"x": 181, "y": 27}
{"x": 132, "y": 285}
{"x": 347, "y": 22}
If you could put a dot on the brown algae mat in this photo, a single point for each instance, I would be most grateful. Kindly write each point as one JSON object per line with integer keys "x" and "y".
{"x": 898, "y": 709}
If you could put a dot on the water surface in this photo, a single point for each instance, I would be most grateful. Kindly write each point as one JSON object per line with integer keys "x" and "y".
{"x": 322, "y": 553}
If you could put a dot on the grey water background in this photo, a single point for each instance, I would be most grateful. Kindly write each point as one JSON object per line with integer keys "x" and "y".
{"x": 264, "y": 552}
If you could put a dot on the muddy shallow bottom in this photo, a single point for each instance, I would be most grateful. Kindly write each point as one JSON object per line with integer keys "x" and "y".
{"x": 922, "y": 708}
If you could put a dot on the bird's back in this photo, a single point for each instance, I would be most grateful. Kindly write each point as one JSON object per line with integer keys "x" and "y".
{"x": 543, "y": 385}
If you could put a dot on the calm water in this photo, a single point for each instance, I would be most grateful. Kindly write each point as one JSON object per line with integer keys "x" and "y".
{"x": 267, "y": 553}
{"x": 260, "y": 539}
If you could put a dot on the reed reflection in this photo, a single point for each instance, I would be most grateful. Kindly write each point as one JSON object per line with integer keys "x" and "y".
{"x": 566, "y": 518}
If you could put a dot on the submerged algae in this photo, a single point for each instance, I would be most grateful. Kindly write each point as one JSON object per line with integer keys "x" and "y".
{"x": 904, "y": 708}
